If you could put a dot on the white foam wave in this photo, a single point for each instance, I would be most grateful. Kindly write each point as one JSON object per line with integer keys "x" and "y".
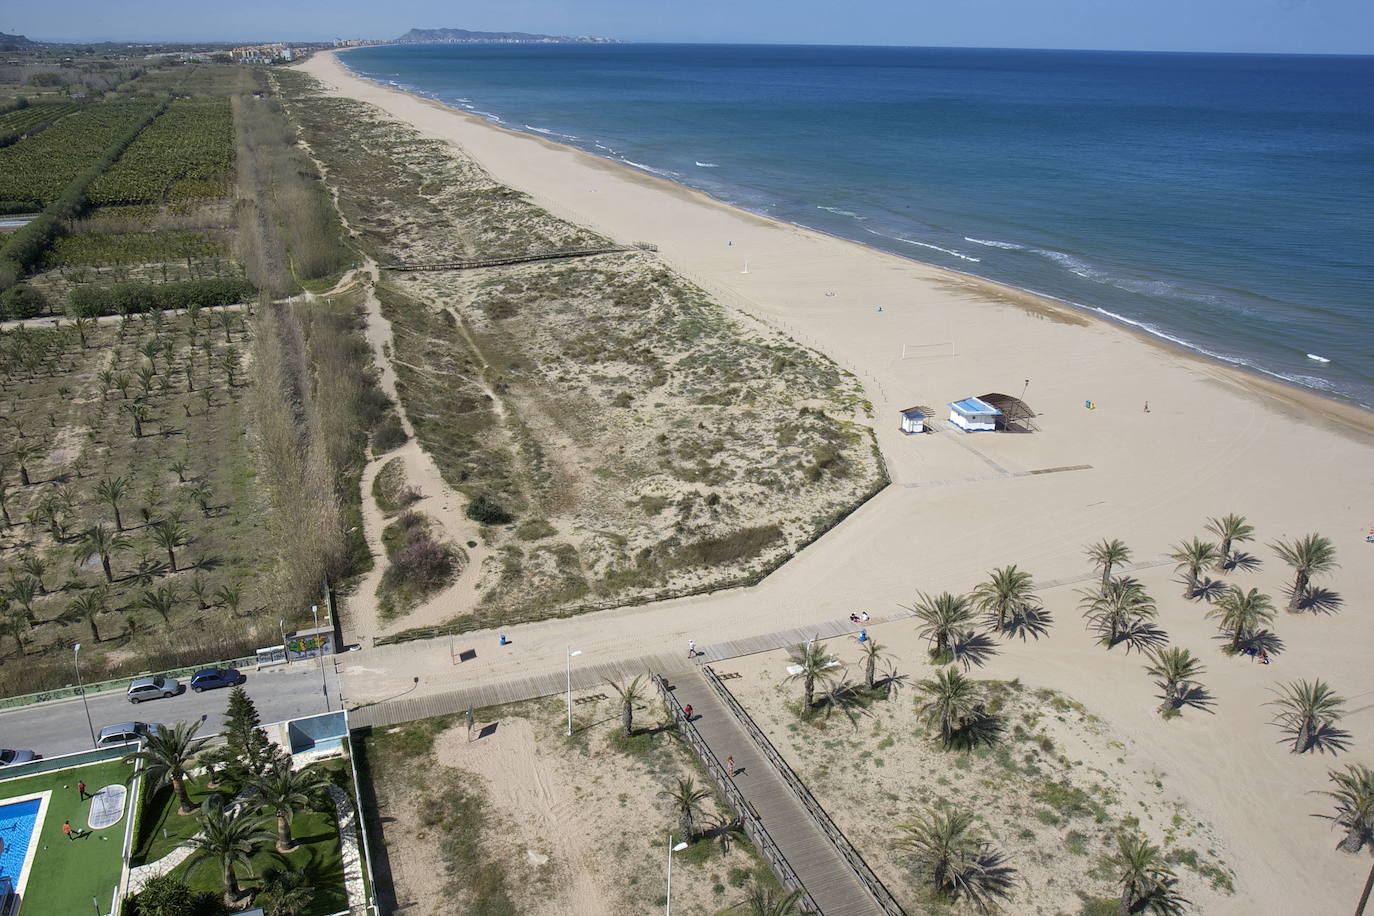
{"x": 707, "y": 165}
{"x": 1320, "y": 359}
{"x": 647, "y": 168}
{"x": 993, "y": 243}
{"x": 1145, "y": 287}
{"x": 838, "y": 212}
{"x": 489, "y": 116}
{"x": 549, "y": 133}
{"x": 957, "y": 254}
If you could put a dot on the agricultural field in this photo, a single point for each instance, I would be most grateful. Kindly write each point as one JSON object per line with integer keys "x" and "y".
{"x": 187, "y": 153}
{"x": 16, "y": 123}
{"x": 132, "y": 520}
{"x": 37, "y": 169}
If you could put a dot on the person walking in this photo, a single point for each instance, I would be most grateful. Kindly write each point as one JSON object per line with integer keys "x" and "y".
{"x": 81, "y": 789}
{"x": 691, "y": 648}
{"x": 67, "y": 830}
{"x": 687, "y": 711}
{"x": 730, "y": 764}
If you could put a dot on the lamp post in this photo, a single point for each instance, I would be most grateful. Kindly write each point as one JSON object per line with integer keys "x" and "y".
{"x": 76, "y": 661}
{"x": 668, "y": 907}
{"x": 319, "y": 651}
{"x": 571, "y": 653}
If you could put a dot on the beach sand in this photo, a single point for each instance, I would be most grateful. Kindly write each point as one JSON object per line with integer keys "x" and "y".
{"x": 1214, "y": 441}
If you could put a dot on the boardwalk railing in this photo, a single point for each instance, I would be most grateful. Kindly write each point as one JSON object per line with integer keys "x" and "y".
{"x": 749, "y": 818}
{"x": 846, "y": 849}
{"x": 469, "y": 263}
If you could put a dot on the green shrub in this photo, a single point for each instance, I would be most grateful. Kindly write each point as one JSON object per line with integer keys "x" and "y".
{"x": 488, "y": 511}
{"x": 535, "y": 529}
{"x": 389, "y": 434}
{"x": 132, "y": 298}
{"x": 22, "y": 301}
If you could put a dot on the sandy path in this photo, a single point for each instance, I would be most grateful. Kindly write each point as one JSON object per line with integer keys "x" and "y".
{"x": 1215, "y": 441}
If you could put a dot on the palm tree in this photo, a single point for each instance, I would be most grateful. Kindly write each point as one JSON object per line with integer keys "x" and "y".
{"x": 230, "y": 839}
{"x": 35, "y": 567}
{"x": 286, "y": 791}
{"x": 13, "y": 624}
{"x": 1175, "y": 669}
{"x": 872, "y": 653}
{"x": 1354, "y": 795}
{"x": 284, "y": 893}
{"x": 955, "y": 861}
{"x": 201, "y": 592}
{"x": 88, "y": 605}
{"x": 686, "y": 797}
{"x": 179, "y": 467}
{"x": 226, "y": 321}
{"x": 24, "y": 454}
{"x": 1306, "y": 709}
{"x": 815, "y": 663}
{"x": 163, "y": 600}
{"x": 1241, "y": 612}
{"x": 629, "y": 694}
{"x": 1107, "y": 555}
{"x": 202, "y": 494}
{"x": 1193, "y": 557}
{"x": 950, "y": 699}
{"x": 945, "y": 617}
{"x": 1309, "y": 556}
{"x": 138, "y": 413}
{"x": 764, "y": 901}
{"x": 25, "y": 591}
{"x": 99, "y": 541}
{"x": 168, "y": 754}
{"x": 1147, "y": 882}
{"x": 1232, "y": 529}
{"x": 111, "y": 490}
{"x": 231, "y": 596}
{"x": 1005, "y": 595}
{"x": 1122, "y": 604}
{"x": 169, "y": 535}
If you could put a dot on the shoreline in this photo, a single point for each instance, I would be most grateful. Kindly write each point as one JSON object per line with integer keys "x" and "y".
{"x": 1261, "y": 382}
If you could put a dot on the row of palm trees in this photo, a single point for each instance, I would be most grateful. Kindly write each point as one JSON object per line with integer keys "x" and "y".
{"x": 231, "y": 834}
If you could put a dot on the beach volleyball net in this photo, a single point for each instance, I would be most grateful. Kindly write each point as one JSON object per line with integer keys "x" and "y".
{"x": 927, "y": 350}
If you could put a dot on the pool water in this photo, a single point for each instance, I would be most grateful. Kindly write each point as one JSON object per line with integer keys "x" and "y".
{"x": 16, "y": 833}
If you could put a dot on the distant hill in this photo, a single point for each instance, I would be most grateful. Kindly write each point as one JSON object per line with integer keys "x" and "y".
{"x": 463, "y": 36}
{"x": 15, "y": 42}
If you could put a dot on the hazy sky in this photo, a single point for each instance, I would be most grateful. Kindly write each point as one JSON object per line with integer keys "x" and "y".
{"x": 1341, "y": 26}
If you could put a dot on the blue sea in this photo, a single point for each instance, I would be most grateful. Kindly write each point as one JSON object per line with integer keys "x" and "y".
{"x": 1221, "y": 201}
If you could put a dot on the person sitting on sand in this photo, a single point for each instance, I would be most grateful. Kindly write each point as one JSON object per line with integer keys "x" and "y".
{"x": 863, "y": 618}
{"x": 853, "y": 618}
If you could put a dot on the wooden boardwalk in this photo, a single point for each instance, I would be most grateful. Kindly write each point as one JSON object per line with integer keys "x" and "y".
{"x": 821, "y": 869}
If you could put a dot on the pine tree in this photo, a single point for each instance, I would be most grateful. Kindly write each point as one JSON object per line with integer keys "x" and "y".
{"x": 248, "y": 753}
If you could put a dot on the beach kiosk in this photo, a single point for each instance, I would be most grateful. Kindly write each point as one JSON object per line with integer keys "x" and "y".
{"x": 973, "y": 415}
{"x": 914, "y": 419}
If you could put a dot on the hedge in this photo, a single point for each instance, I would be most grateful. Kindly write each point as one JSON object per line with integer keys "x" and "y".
{"x": 129, "y": 298}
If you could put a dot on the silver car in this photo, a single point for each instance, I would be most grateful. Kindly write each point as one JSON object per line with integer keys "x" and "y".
{"x": 153, "y": 688}
{"x": 126, "y": 733}
{"x": 10, "y": 755}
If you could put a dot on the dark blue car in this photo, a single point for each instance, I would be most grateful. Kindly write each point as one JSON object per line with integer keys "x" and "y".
{"x": 210, "y": 678}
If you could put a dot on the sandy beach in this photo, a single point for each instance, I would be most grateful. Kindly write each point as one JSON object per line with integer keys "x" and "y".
{"x": 1213, "y": 441}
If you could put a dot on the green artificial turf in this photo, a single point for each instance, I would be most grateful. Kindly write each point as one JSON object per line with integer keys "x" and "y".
{"x": 68, "y": 873}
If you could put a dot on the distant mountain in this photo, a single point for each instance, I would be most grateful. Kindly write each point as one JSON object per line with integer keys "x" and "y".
{"x": 15, "y": 42}
{"x": 463, "y": 36}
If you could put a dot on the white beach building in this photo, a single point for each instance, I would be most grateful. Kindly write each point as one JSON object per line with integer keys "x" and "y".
{"x": 973, "y": 415}
{"x": 914, "y": 418}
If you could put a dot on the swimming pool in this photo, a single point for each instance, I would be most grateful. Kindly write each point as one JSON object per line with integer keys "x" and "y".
{"x": 18, "y": 826}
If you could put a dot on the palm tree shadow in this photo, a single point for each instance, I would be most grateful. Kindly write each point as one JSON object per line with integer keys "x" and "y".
{"x": 1266, "y": 641}
{"x": 1327, "y": 739}
{"x": 1207, "y": 589}
{"x": 978, "y": 729}
{"x": 1032, "y": 622}
{"x": 1138, "y": 635}
{"x": 1320, "y": 600}
{"x": 1245, "y": 562}
{"x": 972, "y": 648}
{"x": 1197, "y": 696}
{"x": 891, "y": 682}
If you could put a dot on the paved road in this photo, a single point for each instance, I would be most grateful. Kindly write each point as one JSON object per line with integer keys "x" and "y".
{"x": 284, "y": 692}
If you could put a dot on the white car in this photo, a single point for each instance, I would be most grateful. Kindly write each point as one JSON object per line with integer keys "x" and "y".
{"x": 153, "y": 688}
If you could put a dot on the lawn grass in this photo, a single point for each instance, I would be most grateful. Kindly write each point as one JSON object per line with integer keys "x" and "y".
{"x": 317, "y": 858}
{"x": 68, "y": 873}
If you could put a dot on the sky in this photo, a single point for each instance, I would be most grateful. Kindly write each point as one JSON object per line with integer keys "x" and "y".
{"x": 1287, "y": 26}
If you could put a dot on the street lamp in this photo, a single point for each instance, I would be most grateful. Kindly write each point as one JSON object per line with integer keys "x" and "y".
{"x": 668, "y": 907}
{"x": 319, "y": 650}
{"x": 571, "y": 653}
{"x": 76, "y": 661}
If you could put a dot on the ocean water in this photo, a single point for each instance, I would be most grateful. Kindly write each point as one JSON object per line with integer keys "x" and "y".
{"x": 1224, "y": 202}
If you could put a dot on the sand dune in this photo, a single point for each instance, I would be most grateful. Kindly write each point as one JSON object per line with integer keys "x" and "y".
{"x": 1213, "y": 441}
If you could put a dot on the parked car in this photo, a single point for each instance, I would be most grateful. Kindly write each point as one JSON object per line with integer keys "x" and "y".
{"x": 211, "y": 678}
{"x": 11, "y": 755}
{"x": 153, "y": 688}
{"x": 126, "y": 733}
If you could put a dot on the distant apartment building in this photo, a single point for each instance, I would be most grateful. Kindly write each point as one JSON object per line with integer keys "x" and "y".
{"x": 263, "y": 54}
